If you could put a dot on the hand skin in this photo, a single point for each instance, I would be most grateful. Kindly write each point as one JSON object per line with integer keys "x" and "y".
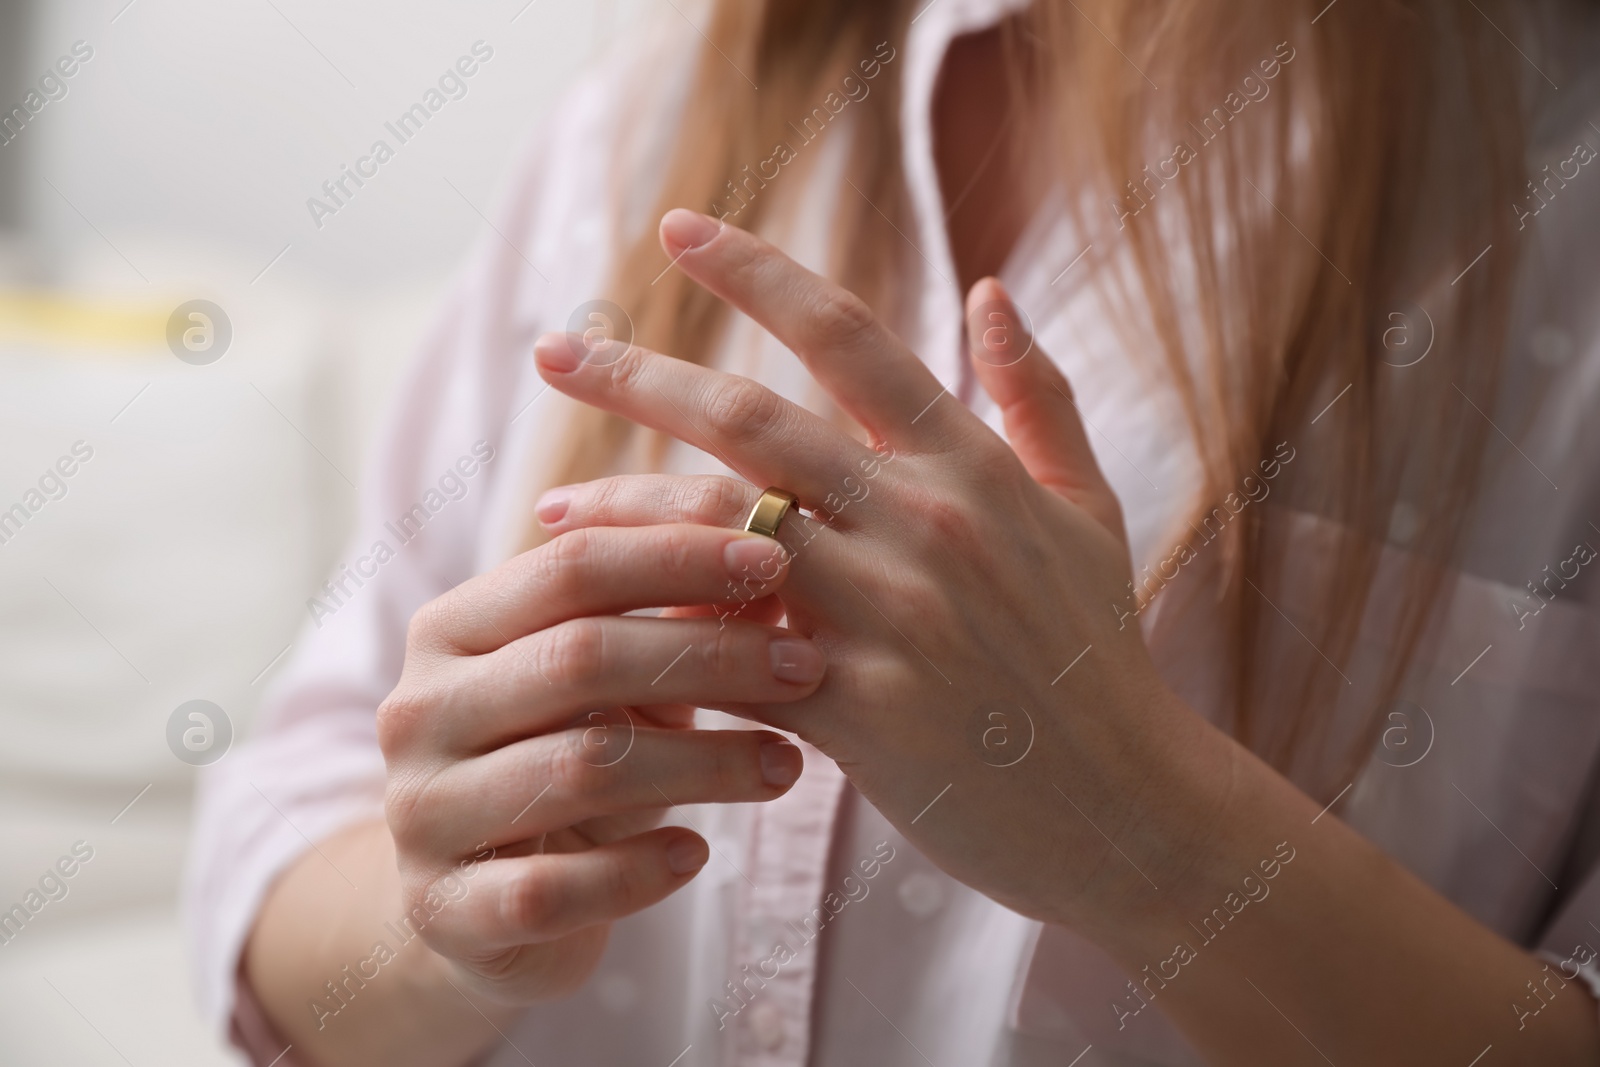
{"x": 517, "y": 822}
{"x": 946, "y": 574}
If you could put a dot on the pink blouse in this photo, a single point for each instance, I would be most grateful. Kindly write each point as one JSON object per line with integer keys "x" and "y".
{"x": 1485, "y": 784}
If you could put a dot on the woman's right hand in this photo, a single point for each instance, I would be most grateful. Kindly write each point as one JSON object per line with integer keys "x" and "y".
{"x": 491, "y": 744}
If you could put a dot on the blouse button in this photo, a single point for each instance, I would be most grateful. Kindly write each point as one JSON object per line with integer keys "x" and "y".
{"x": 1551, "y": 345}
{"x": 766, "y": 1023}
{"x": 920, "y": 894}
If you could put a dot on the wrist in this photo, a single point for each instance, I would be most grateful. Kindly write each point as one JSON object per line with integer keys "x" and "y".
{"x": 1191, "y": 799}
{"x": 1223, "y": 827}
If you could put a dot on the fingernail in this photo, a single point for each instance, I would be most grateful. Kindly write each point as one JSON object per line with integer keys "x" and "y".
{"x": 758, "y": 555}
{"x": 687, "y": 854}
{"x": 556, "y": 352}
{"x": 796, "y": 660}
{"x": 552, "y": 507}
{"x": 684, "y": 229}
{"x": 780, "y": 763}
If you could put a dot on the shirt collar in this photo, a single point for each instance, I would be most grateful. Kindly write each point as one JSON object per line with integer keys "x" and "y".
{"x": 938, "y": 310}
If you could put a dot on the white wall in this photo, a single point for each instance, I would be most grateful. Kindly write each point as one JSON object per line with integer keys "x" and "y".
{"x": 214, "y": 120}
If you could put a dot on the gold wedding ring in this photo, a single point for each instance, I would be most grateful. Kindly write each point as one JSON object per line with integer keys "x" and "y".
{"x": 767, "y": 515}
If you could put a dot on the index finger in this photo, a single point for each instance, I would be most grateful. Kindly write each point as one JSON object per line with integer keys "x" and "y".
{"x": 867, "y": 370}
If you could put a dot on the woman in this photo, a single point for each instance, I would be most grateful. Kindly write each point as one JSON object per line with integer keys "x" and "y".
{"x": 1234, "y": 704}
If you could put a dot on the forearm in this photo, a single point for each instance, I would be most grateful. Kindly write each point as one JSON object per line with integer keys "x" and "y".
{"x": 1339, "y": 955}
{"x": 317, "y": 928}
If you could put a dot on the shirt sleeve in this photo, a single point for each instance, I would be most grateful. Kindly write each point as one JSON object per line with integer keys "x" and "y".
{"x": 312, "y": 766}
{"x": 433, "y": 505}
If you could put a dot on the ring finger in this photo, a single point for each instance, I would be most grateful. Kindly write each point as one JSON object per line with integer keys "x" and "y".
{"x": 651, "y": 499}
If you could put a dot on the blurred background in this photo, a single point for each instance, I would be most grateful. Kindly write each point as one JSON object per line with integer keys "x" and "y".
{"x": 173, "y": 564}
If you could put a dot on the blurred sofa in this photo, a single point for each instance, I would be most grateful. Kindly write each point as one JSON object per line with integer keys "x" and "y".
{"x": 172, "y": 564}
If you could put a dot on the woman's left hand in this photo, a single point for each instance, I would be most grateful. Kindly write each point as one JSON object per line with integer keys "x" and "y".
{"x": 984, "y": 691}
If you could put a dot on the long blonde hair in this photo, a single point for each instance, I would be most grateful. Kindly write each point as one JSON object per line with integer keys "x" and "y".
{"x": 1387, "y": 151}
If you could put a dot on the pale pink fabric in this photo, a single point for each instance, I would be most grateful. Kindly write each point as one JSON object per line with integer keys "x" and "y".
{"x": 1497, "y": 808}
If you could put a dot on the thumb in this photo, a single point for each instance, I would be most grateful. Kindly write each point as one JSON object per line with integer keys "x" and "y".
{"x": 1041, "y": 416}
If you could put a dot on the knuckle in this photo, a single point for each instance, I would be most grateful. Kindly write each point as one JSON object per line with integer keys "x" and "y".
{"x": 747, "y": 260}
{"x": 621, "y": 883}
{"x": 573, "y": 653}
{"x": 402, "y": 809}
{"x": 741, "y": 410}
{"x": 557, "y": 568}
{"x": 448, "y": 624}
{"x": 428, "y": 624}
{"x": 400, "y": 720}
{"x": 629, "y": 371}
{"x": 531, "y": 903}
{"x": 713, "y": 501}
{"x": 947, "y": 525}
{"x": 571, "y": 551}
{"x": 599, "y": 500}
{"x": 842, "y": 320}
{"x": 572, "y": 766}
{"x": 675, "y": 552}
{"x": 721, "y": 654}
